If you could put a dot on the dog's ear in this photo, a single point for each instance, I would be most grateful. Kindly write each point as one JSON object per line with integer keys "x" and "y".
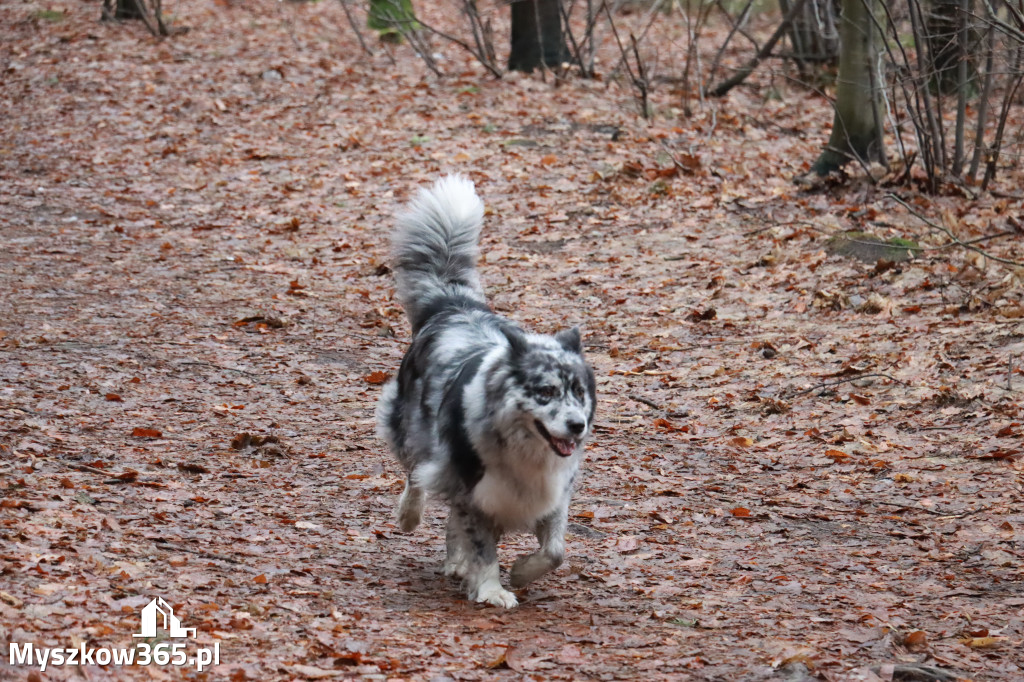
{"x": 570, "y": 340}
{"x": 516, "y": 340}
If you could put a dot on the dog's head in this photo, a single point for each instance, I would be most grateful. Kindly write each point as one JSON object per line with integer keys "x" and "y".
{"x": 553, "y": 388}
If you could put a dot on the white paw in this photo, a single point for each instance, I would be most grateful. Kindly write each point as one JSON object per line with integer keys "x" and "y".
{"x": 498, "y": 596}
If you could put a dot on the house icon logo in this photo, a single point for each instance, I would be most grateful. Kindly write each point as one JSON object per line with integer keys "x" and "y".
{"x": 171, "y": 623}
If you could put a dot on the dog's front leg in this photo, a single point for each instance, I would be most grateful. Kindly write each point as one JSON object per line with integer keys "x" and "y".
{"x": 410, "y": 506}
{"x": 475, "y": 543}
{"x": 551, "y": 534}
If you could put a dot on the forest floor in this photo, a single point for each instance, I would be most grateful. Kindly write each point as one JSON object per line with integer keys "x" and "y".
{"x": 805, "y": 466}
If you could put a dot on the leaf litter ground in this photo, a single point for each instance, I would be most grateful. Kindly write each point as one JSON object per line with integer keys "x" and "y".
{"x": 804, "y": 465}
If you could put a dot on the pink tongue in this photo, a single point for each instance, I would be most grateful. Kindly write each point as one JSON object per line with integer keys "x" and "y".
{"x": 565, "y": 447}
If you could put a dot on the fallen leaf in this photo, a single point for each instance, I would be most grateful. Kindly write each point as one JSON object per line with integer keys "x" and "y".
{"x": 984, "y": 642}
{"x": 500, "y": 661}
{"x": 627, "y": 544}
{"x": 916, "y": 640}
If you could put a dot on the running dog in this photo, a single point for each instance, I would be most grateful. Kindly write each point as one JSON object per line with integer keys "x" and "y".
{"x": 483, "y": 415}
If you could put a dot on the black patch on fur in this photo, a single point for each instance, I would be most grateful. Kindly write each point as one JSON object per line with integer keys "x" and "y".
{"x": 453, "y": 425}
{"x": 395, "y": 423}
{"x": 447, "y": 305}
{"x": 570, "y": 340}
{"x": 516, "y": 338}
{"x": 534, "y": 372}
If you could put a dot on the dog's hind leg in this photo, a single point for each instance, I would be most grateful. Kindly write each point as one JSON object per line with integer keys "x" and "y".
{"x": 551, "y": 534}
{"x": 475, "y": 543}
{"x": 410, "y": 506}
{"x": 458, "y": 545}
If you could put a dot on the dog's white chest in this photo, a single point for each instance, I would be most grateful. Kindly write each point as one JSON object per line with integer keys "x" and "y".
{"x": 517, "y": 500}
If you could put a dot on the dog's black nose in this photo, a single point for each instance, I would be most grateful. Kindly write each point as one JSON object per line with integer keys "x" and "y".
{"x": 576, "y": 427}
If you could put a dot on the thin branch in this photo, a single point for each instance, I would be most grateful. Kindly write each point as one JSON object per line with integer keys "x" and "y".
{"x": 143, "y": 12}
{"x": 765, "y": 51}
{"x": 649, "y": 21}
{"x": 635, "y": 80}
{"x": 826, "y": 384}
{"x": 158, "y": 12}
{"x": 355, "y": 27}
{"x": 480, "y": 58}
{"x": 223, "y": 369}
{"x": 935, "y": 226}
{"x": 645, "y": 401}
{"x": 737, "y": 27}
{"x": 982, "y": 115}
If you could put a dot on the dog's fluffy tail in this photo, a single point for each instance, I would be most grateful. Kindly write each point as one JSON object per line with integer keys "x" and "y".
{"x": 434, "y": 249}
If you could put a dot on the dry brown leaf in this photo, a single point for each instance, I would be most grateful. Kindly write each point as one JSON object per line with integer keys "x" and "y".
{"x": 378, "y": 377}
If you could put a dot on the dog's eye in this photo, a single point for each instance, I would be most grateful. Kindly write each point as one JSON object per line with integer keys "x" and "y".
{"x": 546, "y": 393}
{"x": 577, "y": 390}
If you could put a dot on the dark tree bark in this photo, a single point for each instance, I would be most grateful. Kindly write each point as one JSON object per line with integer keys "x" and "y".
{"x": 537, "y": 36}
{"x": 857, "y": 124}
{"x": 949, "y": 30}
{"x": 150, "y": 13}
{"x": 127, "y": 9}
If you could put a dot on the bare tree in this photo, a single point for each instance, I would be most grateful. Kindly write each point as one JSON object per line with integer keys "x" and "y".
{"x": 857, "y": 122}
{"x": 538, "y": 37}
{"x": 150, "y": 13}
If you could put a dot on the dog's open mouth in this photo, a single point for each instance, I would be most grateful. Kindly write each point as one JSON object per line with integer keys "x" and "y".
{"x": 563, "y": 447}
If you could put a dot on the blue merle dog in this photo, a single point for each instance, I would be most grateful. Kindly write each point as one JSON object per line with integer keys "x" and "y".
{"x": 483, "y": 415}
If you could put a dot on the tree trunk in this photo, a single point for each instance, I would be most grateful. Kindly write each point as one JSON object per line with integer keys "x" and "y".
{"x": 949, "y": 30}
{"x": 127, "y": 9}
{"x": 537, "y": 36}
{"x": 857, "y": 124}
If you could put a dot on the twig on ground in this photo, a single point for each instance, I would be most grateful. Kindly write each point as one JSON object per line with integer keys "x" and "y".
{"x": 91, "y": 470}
{"x": 164, "y": 544}
{"x": 645, "y": 401}
{"x": 848, "y": 379}
{"x": 912, "y": 508}
{"x": 919, "y": 671}
{"x": 225, "y": 369}
{"x": 967, "y": 245}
